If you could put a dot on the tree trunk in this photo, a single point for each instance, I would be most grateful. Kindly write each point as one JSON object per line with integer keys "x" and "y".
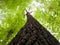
{"x": 33, "y": 33}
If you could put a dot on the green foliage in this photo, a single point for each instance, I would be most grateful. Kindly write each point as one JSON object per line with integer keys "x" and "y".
{"x": 12, "y": 17}
{"x": 49, "y": 15}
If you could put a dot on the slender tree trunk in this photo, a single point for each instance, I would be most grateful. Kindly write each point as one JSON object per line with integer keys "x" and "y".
{"x": 33, "y": 33}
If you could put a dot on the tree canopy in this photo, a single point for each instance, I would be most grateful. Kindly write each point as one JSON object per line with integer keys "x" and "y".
{"x": 13, "y": 18}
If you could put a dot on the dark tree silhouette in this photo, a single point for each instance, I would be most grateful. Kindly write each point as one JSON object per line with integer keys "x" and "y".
{"x": 33, "y": 33}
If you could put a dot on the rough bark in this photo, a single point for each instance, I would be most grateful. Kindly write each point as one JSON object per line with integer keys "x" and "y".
{"x": 33, "y": 33}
